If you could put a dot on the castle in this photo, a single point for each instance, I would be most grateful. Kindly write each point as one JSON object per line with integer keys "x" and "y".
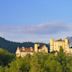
{"x": 55, "y": 46}
{"x": 21, "y": 52}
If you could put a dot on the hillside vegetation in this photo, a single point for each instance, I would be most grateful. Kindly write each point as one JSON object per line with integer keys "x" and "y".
{"x": 11, "y": 46}
{"x": 39, "y": 62}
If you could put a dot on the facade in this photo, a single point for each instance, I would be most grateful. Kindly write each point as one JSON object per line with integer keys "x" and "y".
{"x": 21, "y": 52}
{"x": 55, "y": 45}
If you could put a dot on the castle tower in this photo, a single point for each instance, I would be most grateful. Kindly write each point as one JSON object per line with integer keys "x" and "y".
{"x": 66, "y": 43}
{"x": 18, "y": 52}
{"x": 51, "y": 45}
{"x": 36, "y": 47}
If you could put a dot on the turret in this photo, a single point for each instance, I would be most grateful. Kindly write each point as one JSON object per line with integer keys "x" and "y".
{"x": 36, "y": 47}
{"x": 66, "y": 43}
{"x": 18, "y": 52}
{"x": 51, "y": 44}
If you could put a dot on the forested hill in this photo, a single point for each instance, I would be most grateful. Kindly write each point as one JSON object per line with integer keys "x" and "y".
{"x": 11, "y": 46}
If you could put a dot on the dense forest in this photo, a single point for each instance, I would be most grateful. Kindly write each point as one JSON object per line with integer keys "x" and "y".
{"x": 40, "y": 62}
{"x": 11, "y": 46}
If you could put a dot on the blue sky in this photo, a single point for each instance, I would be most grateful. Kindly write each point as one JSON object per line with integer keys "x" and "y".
{"x": 35, "y": 20}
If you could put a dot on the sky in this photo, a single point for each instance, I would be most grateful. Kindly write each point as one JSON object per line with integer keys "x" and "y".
{"x": 35, "y": 20}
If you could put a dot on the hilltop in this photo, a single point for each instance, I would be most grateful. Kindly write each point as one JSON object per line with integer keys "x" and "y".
{"x": 11, "y": 46}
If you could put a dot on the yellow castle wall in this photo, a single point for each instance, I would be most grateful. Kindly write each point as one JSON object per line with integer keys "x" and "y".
{"x": 55, "y": 45}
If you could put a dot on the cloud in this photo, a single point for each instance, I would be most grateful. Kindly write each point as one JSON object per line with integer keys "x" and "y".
{"x": 39, "y": 32}
{"x": 1, "y": 34}
{"x": 46, "y": 28}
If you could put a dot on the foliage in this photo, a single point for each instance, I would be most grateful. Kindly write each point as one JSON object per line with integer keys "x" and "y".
{"x": 5, "y": 57}
{"x": 38, "y": 62}
{"x": 12, "y": 46}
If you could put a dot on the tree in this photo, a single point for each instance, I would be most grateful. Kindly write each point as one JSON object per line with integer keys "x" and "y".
{"x": 20, "y": 65}
{"x": 34, "y": 64}
{"x": 52, "y": 65}
{"x": 14, "y": 66}
{"x": 1, "y": 69}
{"x": 25, "y": 63}
{"x": 63, "y": 60}
{"x": 5, "y": 57}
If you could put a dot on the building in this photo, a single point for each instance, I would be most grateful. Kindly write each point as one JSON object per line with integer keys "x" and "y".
{"x": 21, "y": 52}
{"x": 55, "y": 45}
